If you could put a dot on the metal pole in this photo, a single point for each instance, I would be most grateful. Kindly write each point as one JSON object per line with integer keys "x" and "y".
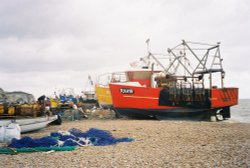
{"x": 210, "y": 80}
{"x": 198, "y": 59}
{"x": 222, "y": 79}
{"x": 147, "y": 41}
{"x": 170, "y": 51}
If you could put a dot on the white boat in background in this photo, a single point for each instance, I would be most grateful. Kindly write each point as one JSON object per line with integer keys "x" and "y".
{"x": 21, "y": 108}
{"x": 30, "y": 124}
{"x": 88, "y": 94}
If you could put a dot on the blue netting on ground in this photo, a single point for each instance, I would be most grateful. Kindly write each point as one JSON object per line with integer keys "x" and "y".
{"x": 28, "y": 142}
{"x": 72, "y": 137}
{"x": 99, "y": 137}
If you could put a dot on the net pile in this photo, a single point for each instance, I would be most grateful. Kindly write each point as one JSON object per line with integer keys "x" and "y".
{"x": 72, "y": 137}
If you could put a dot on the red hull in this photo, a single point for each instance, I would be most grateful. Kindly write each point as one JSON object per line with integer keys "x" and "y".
{"x": 224, "y": 97}
{"x": 143, "y": 97}
{"x": 133, "y": 98}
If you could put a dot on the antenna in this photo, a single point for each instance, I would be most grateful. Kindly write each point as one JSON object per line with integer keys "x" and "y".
{"x": 147, "y": 41}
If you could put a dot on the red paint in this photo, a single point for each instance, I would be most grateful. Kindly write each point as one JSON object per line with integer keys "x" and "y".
{"x": 143, "y": 97}
{"x": 148, "y": 98}
{"x": 224, "y": 97}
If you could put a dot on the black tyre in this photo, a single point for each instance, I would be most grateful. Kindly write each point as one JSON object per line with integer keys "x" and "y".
{"x": 58, "y": 121}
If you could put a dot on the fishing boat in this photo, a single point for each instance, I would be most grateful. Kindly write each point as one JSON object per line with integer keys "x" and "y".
{"x": 103, "y": 95}
{"x": 180, "y": 90}
{"x": 137, "y": 70}
{"x": 21, "y": 108}
{"x": 89, "y": 92}
{"x": 102, "y": 90}
{"x": 29, "y": 124}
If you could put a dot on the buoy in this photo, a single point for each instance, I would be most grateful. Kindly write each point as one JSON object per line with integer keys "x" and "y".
{"x": 219, "y": 117}
{"x": 213, "y": 118}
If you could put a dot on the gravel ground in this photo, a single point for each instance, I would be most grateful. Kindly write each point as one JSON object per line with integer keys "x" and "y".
{"x": 157, "y": 144}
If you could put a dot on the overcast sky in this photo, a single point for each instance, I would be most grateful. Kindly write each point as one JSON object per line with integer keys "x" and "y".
{"x": 53, "y": 44}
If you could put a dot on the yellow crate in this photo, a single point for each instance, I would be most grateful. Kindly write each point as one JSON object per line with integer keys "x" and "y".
{"x": 11, "y": 110}
{"x": 1, "y": 109}
{"x": 54, "y": 103}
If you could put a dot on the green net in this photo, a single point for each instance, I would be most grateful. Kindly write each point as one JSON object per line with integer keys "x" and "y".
{"x": 14, "y": 151}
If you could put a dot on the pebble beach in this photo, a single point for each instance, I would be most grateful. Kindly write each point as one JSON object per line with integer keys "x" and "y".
{"x": 156, "y": 144}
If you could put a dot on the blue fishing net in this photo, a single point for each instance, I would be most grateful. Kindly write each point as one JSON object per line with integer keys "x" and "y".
{"x": 72, "y": 137}
{"x": 70, "y": 142}
{"x": 100, "y": 137}
{"x": 28, "y": 142}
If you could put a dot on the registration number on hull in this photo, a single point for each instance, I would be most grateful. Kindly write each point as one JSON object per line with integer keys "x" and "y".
{"x": 126, "y": 91}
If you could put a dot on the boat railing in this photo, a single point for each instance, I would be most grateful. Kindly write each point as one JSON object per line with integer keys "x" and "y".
{"x": 104, "y": 79}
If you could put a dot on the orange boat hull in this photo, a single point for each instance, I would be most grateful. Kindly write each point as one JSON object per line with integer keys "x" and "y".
{"x": 136, "y": 101}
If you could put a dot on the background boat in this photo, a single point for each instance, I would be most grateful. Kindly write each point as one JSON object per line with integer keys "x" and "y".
{"x": 22, "y": 108}
{"x": 29, "y": 123}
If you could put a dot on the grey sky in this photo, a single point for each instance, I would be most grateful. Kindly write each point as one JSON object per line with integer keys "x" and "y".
{"x": 50, "y": 44}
